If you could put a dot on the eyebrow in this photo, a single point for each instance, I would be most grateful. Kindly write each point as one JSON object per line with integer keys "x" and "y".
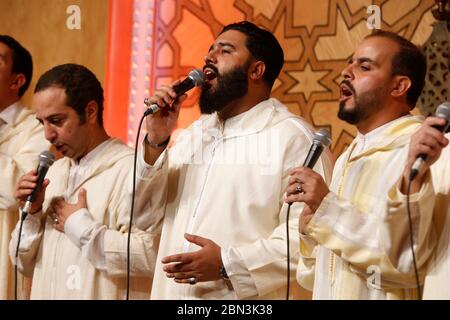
{"x": 362, "y": 60}
{"x": 51, "y": 116}
{"x": 222, "y": 44}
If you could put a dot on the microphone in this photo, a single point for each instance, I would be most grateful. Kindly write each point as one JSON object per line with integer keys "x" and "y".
{"x": 195, "y": 78}
{"x": 321, "y": 140}
{"x": 46, "y": 159}
{"x": 442, "y": 111}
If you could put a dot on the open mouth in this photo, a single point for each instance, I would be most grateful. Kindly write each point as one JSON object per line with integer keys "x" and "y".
{"x": 346, "y": 93}
{"x": 210, "y": 74}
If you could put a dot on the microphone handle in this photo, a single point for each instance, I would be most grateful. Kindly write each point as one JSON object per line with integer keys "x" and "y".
{"x": 313, "y": 155}
{"x": 186, "y": 85}
{"x": 153, "y": 108}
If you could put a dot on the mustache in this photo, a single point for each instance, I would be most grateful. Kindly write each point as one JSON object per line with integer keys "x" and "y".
{"x": 348, "y": 84}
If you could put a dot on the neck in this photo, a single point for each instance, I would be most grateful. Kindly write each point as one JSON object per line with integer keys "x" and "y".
{"x": 380, "y": 119}
{"x": 5, "y": 103}
{"x": 98, "y": 137}
{"x": 241, "y": 105}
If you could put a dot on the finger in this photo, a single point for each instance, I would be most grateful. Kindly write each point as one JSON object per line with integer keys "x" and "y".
{"x": 180, "y": 258}
{"x": 177, "y": 268}
{"x": 180, "y": 275}
{"x": 298, "y": 197}
{"x": 200, "y": 241}
{"x": 435, "y": 121}
{"x": 184, "y": 281}
{"x": 82, "y": 201}
{"x": 294, "y": 179}
{"x": 45, "y": 184}
{"x": 26, "y": 184}
{"x": 294, "y": 188}
{"x": 178, "y": 102}
{"x": 21, "y": 194}
{"x": 303, "y": 173}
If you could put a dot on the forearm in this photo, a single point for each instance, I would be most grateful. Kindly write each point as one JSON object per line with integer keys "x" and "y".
{"x": 30, "y": 239}
{"x": 365, "y": 239}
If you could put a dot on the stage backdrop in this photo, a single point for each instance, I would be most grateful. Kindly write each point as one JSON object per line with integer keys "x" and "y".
{"x": 168, "y": 38}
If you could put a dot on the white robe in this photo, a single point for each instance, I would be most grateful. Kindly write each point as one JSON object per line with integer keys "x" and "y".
{"x": 65, "y": 266}
{"x": 21, "y": 141}
{"x": 353, "y": 247}
{"x": 226, "y": 182}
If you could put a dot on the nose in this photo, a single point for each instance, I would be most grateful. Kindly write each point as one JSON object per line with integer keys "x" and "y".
{"x": 50, "y": 133}
{"x": 211, "y": 57}
{"x": 347, "y": 73}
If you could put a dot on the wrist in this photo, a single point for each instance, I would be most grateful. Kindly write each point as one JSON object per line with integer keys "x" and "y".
{"x": 156, "y": 144}
{"x": 223, "y": 273}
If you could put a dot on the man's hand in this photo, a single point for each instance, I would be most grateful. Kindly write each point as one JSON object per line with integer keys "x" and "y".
{"x": 307, "y": 186}
{"x": 60, "y": 210}
{"x": 27, "y": 183}
{"x": 429, "y": 141}
{"x": 305, "y": 218}
{"x": 201, "y": 265}
{"x": 161, "y": 124}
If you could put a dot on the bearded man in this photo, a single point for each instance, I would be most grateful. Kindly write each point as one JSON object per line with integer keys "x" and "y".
{"x": 348, "y": 248}
{"x": 224, "y": 230}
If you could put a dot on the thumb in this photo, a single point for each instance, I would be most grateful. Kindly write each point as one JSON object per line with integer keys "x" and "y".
{"x": 200, "y": 241}
{"x": 82, "y": 202}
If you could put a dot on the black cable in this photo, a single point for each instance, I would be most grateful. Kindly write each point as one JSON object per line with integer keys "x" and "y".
{"x": 132, "y": 205}
{"x": 288, "y": 276}
{"x": 411, "y": 240}
{"x": 23, "y": 215}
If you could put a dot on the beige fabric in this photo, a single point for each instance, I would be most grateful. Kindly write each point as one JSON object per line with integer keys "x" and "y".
{"x": 437, "y": 279}
{"x": 20, "y": 143}
{"x": 226, "y": 182}
{"x": 348, "y": 251}
{"x": 60, "y": 269}
{"x": 433, "y": 202}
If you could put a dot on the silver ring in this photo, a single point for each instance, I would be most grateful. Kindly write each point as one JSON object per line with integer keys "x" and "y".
{"x": 299, "y": 188}
{"x": 192, "y": 280}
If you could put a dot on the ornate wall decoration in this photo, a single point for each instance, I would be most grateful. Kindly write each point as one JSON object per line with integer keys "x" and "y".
{"x": 318, "y": 37}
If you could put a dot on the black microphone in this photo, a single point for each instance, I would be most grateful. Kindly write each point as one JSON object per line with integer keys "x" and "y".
{"x": 321, "y": 140}
{"x": 195, "y": 78}
{"x": 442, "y": 111}
{"x": 46, "y": 159}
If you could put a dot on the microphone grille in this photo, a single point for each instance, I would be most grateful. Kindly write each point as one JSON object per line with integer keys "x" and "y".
{"x": 197, "y": 76}
{"x": 46, "y": 159}
{"x": 443, "y": 110}
{"x": 323, "y": 137}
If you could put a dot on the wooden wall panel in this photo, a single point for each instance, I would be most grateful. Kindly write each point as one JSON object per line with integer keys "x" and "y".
{"x": 40, "y": 26}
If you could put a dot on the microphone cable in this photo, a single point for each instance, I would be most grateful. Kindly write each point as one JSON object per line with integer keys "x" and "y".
{"x": 132, "y": 204}
{"x": 411, "y": 239}
{"x": 288, "y": 276}
{"x": 23, "y": 215}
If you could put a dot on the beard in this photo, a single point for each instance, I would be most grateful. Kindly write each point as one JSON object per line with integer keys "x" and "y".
{"x": 365, "y": 105}
{"x": 230, "y": 86}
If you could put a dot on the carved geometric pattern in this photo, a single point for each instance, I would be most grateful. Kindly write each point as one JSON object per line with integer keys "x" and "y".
{"x": 317, "y": 36}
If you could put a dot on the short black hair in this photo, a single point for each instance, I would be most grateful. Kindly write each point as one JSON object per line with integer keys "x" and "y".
{"x": 408, "y": 61}
{"x": 263, "y": 45}
{"x": 80, "y": 84}
{"x": 22, "y": 62}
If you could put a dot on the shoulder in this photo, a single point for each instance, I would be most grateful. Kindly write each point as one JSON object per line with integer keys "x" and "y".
{"x": 290, "y": 124}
